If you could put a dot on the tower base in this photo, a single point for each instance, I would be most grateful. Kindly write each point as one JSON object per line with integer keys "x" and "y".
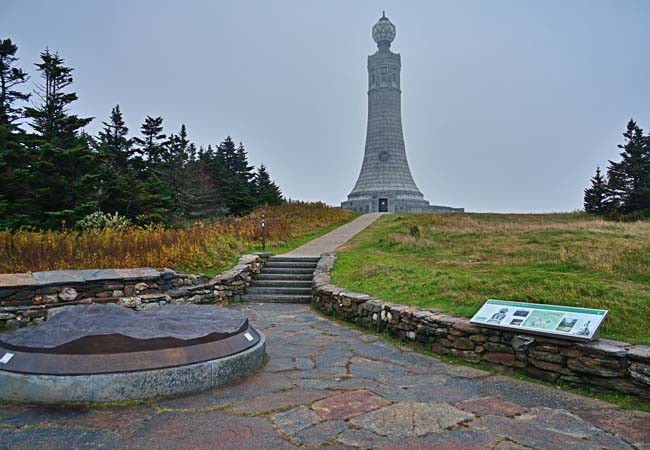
{"x": 393, "y": 202}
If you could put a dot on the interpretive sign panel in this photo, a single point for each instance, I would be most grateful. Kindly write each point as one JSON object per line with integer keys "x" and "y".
{"x": 580, "y": 324}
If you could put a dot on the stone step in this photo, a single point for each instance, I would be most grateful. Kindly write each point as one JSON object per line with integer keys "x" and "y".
{"x": 278, "y": 290}
{"x": 281, "y": 283}
{"x": 310, "y": 259}
{"x": 283, "y": 276}
{"x": 291, "y": 264}
{"x": 276, "y": 298}
{"x": 287, "y": 270}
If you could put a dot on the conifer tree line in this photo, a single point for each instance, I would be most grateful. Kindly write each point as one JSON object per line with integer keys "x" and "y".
{"x": 624, "y": 190}
{"x": 52, "y": 171}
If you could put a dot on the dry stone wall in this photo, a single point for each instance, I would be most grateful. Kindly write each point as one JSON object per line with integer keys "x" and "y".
{"x": 602, "y": 365}
{"x": 30, "y": 297}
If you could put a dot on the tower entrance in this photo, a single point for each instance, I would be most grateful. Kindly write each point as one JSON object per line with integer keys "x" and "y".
{"x": 383, "y": 205}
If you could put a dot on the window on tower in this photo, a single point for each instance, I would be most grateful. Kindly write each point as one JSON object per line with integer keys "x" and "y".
{"x": 384, "y": 74}
{"x": 394, "y": 75}
{"x": 372, "y": 79}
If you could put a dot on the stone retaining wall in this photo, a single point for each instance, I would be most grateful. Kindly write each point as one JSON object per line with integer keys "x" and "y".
{"x": 28, "y": 297}
{"x": 602, "y": 365}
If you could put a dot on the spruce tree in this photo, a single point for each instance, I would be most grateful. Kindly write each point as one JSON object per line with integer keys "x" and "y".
{"x": 595, "y": 200}
{"x": 14, "y": 157}
{"x": 204, "y": 200}
{"x": 120, "y": 189}
{"x": 11, "y": 77}
{"x": 232, "y": 177}
{"x": 115, "y": 146}
{"x": 266, "y": 191}
{"x": 63, "y": 172}
{"x": 50, "y": 118}
{"x": 175, "y": 172}
{"x": 629, "y": 179}
{"x": 152, "y": 143}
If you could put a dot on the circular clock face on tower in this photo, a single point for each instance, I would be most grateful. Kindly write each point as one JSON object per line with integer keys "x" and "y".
{"x": 384, "y": 156}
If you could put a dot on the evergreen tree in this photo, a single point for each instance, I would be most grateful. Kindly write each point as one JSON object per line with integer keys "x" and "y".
{"x": 232, "y": 176}
{"x": 14, "y": 157}
{"x": 175, "y": 171}
{"x": 120, "y": 189}
{"x": 63, "y": 171}
{"x": 629, "y": 179}
{"x": 204, "y": 200}
{"x": 10, "y": 78}
{"x": 115, "y": 146}
{"x": 266, "y": 191}
{"x": 596, "y": 195}
{"x": 152, "y": 143}
{"x": 241, "y": 167}
{"x": 50, "y": 119}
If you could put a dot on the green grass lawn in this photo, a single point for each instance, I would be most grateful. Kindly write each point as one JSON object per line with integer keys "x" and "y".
{"x": 454, "y": 262}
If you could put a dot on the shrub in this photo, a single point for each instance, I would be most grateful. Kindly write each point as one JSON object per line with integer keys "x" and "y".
{"x": 98, "y": 221}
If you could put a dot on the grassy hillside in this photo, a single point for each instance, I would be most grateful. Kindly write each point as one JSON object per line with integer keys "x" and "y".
{"x": 202, "y": 248}
{"x": 454, "y": 262}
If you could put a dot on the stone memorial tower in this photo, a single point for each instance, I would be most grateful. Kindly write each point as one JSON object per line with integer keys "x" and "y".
{"x": 385, "y": 183}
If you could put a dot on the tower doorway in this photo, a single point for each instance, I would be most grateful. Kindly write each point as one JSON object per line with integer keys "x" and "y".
{"x": 383, "y": 205}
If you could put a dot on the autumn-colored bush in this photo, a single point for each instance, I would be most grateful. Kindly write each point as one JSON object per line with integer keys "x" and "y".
{"x": 207, "y": 247}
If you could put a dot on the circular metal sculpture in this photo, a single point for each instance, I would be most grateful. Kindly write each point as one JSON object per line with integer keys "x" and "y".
{"x": 108, "y": 353}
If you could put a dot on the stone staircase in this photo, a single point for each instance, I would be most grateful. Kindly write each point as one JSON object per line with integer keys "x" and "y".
{"x": 283, "y": 279}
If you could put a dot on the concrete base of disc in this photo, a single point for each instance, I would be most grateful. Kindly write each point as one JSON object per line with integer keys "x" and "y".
{"x": 118, "y": 387}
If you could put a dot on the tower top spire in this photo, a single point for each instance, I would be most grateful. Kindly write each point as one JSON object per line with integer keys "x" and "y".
{"x": 383, "y": 32}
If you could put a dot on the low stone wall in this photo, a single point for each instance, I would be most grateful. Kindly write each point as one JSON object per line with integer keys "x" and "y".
{"x": 29, "y": 297}
{"x": 602, "y": 365}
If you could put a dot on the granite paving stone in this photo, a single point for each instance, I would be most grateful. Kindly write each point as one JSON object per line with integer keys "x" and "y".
{"x": 528, "y": 434}
{"x": 278, "y": 400}
{"x": 490, "y": 405}
{"x": 348, "y": 404}
{"x": 246, "y": 388}
{"x": 57, "y": 438}
{"x": 122, "y": 420}
{"x": 563, "y": 422}
{"x": 362, "y": 439}
{"x": 533, "y": 394}
{"x": 328, "y": 386}
{"x": 322, "y": 433}
{"x": 295, "y": 419}
{"x": 455, "y": 439}
{"x": 632, "y": 426}
{"x": 207, "y": 430}
{"x": 411, "y": 419}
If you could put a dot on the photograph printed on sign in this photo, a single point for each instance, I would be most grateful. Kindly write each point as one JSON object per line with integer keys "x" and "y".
{"x": 567, "y": 324}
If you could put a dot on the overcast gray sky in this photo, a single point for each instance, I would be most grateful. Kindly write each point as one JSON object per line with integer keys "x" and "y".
{"x": 507, "y": 106}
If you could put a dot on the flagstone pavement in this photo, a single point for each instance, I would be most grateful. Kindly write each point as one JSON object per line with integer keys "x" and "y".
{"x": 332, "y": 387}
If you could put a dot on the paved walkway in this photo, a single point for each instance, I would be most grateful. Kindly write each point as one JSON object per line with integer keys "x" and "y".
{"x": 334, "y": 239}
{"x": 331, "y": 387}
